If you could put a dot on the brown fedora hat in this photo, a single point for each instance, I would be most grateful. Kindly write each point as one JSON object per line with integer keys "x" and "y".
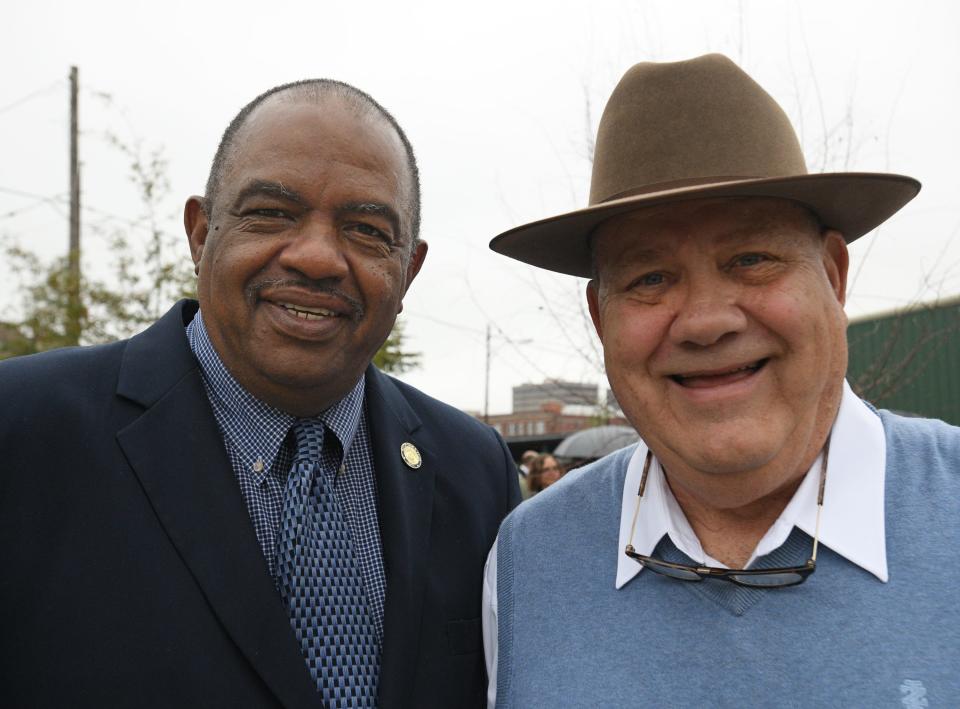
{"x": 699, "y": 129}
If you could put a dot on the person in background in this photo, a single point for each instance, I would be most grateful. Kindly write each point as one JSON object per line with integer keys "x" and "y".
{"x": 544, "y": 472}
{"x": 526, "y": 460}
{"x": 523, "y": 471}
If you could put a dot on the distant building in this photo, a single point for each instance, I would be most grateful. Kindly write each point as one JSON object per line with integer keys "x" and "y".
{"x": 532, "y": 397}
{"x": 544, "y": 414}
{"x": 544, "y": 429}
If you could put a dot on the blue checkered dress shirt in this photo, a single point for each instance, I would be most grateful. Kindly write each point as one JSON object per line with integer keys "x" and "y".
{"x": 255, "y": 436}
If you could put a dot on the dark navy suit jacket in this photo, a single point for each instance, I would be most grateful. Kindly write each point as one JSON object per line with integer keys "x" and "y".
{"x": 130, "y": 574}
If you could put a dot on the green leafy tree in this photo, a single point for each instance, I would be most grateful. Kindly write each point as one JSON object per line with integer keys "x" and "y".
{"x": 147, "y": 272}
{"x": 45, "y": 322}
{"x": 392, "y": 357}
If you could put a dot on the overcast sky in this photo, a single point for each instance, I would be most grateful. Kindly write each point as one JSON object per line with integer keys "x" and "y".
{"x": 499, "y": 100}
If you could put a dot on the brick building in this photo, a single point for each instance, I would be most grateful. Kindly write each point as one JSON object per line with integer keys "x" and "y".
{"x": 543, "y": 429}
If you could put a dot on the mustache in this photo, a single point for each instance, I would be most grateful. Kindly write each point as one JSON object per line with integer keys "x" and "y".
{"x": 320, "y": 286}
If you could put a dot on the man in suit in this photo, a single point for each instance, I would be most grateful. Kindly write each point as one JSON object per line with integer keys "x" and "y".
{"x": 234, "y": 508}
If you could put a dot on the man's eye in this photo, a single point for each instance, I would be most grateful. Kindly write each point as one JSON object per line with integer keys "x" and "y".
{"x": 269, "y": 212}
{"x": 369, "y": 230}
{"x": 649, "y": 280}
{"x": 747, "y": 260}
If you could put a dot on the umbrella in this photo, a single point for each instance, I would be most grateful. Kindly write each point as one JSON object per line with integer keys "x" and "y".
{"x": 596, "y": 442}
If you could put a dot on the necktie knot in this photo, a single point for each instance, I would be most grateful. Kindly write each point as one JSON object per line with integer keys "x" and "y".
{"x": 308, "y": 434}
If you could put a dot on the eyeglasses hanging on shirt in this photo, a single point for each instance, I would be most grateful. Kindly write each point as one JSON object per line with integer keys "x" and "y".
{"x": 753, "y": 578}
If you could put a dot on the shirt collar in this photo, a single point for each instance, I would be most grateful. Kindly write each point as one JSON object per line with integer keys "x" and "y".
{"x": 343, "y": 418}
{"x": 256, "y": 430}
{"x": 852, "y": 520}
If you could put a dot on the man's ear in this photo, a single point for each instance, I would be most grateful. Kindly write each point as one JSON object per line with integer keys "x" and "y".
{"x": 836, "y": 261}
{"x": 413, "y": 268}
{"x": 593, "y": 303}
{"x": 197, "y": 225}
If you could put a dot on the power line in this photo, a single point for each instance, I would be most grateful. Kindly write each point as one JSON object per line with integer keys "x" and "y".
{"x": 480, "y": 333}
{"x": 446, "y": 323}
{"x": 135, "y": 223}
{"x": 60, "y": 199}
{"x": 32, "y": 95}
{"x": 504, "y": 335}
{"x": 29, "y": 195}
{"x": 39, "y": 202}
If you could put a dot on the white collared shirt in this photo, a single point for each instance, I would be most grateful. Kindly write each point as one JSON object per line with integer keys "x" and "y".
{"x": 851, "y": 523}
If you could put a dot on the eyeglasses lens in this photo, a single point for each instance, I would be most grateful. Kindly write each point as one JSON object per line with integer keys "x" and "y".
{"x": 672, "y": 572}
{"x": 788, "y": 578}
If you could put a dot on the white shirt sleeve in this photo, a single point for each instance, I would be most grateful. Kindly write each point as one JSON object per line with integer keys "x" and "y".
{"x": 489, "y": 620}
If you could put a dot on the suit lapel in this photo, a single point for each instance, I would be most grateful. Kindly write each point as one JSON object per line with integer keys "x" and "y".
{"x": 175, "y": 448}
{"x": 405, "y": 505}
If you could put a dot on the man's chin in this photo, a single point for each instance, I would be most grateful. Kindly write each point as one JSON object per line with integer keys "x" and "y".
{"x": 306, "y": 388}
{"x": 727, "y": 463}
{"x": 729, "y": 447}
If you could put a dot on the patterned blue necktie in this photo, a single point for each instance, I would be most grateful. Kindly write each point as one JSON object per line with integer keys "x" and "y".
{"x": 320, "y": 581}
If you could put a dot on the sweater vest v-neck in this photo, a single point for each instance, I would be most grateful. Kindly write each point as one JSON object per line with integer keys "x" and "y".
{"x": 568, "y": 638}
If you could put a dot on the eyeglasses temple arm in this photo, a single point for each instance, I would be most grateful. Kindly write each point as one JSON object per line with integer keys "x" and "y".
{"x": 823, "y": 483}
{"x": 643, "y": 485}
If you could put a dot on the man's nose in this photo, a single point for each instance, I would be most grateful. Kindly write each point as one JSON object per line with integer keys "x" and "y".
{"x": 316, "y": 250}
{"x": 709, "y": 310}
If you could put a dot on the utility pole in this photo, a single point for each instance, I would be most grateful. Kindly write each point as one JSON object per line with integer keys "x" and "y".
{"x": 73, "y": 256}
{"x": 486, "y": 385}
{"x": 486, "y": 382}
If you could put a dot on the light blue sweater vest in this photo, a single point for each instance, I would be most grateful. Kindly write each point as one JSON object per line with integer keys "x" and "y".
{"x": 567, "y": 638}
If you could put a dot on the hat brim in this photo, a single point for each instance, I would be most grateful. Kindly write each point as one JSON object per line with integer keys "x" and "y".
{"x": 853, "y": 203}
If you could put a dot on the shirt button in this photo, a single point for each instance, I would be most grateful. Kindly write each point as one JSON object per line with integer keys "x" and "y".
{"x": 257, "y": 467}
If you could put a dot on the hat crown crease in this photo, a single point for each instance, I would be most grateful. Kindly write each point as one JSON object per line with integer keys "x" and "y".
{"x": 703, "y": 120}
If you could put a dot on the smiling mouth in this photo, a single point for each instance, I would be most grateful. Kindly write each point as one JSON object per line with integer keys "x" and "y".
{"x": 305, "y": 313}
{"x": 698, "y": 380}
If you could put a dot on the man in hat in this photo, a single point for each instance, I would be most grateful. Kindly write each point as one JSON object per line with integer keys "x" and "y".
{"x": 773, "y": 539}
{"x": 234, "y": 508}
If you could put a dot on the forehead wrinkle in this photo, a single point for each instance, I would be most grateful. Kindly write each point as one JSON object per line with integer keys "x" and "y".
{"x": 759, "y": 222}
{"x": 264, "y": 117}
{"x": 769, "y": 218}
{"x": 641, "y": 255}
{"x": 750, "y": 232}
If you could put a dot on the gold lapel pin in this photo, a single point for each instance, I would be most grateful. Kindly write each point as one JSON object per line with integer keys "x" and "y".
{"x": 410, "y": 455}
